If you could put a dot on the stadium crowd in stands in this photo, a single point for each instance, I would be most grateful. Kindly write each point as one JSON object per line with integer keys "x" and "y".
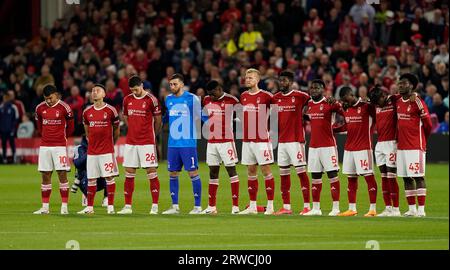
{"x": 346, "y": 43}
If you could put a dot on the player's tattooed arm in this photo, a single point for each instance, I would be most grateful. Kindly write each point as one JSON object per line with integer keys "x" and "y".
{"x": 331, "y": 100}
{"x": 158, "y": 124}
{"x": 116, "y": 133}
{"x": 125, "y": 120}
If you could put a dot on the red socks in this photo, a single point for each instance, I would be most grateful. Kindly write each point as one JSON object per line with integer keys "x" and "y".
{"x": 421, "y": 195}
{"x": 91, "y": 190}
{"x": 64, "y": 192}
{"x": 129, "y": 187}
{"x": 386, "y": 188}
{"x": 111, "y": 189}
{"x": 393, "y": 184}
{"x": 285, "y": 175}
{"x": 304, "y": 182}
{"x": 411, "y": 196}
{"x": 270, "y": 187}
{"x": 316, "y": 189}
{"x": 154, "y": 186}
{"x": 212, "y": 191}
{"x": 46, "y": 190}
{"x": 235, "y": 190}
{"x": 352, "y": 188}
{"x": 335, "y": 189}
{"x": 252, "y": 187}
{"x": 372, "y": 188}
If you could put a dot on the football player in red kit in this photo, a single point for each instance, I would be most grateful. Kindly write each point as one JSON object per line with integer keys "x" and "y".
{"x": 358, "y": 156}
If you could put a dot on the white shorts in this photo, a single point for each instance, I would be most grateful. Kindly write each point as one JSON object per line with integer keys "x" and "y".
{"x": 386, "y": 154}
{"x": 411, "y": 163}
{"x": 323, "y": 159}
{"x": 358, "y": 162}
{"x": 101, "y": 166}
{"x": 260, "y": 153}
{"x": 53, "y": 158}
{"x": 221, "y": 152}
{"x": 292, "y": 153}
{"x": 140, "y": 156}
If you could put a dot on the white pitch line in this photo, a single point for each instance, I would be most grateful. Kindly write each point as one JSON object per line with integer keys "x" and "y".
{"x": 181, "y": 234}
{"x": 293, "y": 218}
{"x": 363, "y": 243}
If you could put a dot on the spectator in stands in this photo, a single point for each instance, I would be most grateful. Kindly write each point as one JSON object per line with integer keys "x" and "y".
{"x": 9, "y": 117}
{"x": 44, "y": 78}
{"x": 430, "y": 91}
{"x": 111, "y": 40}
{"x": 401, "y": 30}
{"x": 114, "y": 95}
{"x": 348, "y": 31}
{"x": 360, "y": 9}
{"x": 345, "y": 82}
{"x": 26, "y": 127}
{"x": 76, "y": 103}
{"x": 331, "y": 27}
{"x": 443, "y": 127}
{"x": 362, "y": 92}
{"x": 312, "y": 26}
{"x": 438, "y": 107}
{"x": 443, "y": 55}
{"x": 385, "y": 30}
{"x": 247, "y": 40}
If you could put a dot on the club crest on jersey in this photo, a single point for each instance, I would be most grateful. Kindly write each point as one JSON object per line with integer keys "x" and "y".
{"x": 359, "y": 109}
{"x": 44, "y": 112}
{"x": 293, "y": 99}
{"x": 130, "y": 103}
{"x": 145, "y": 104}
{"x": 105, "y": 115}
{"x": 91, "y": 115}
{"x": 223, "y": 104}
{"x": 258, "y": 100}
{"x": 321, "y": 107}
{"x": 409, "y": 108}
{"x": 347, "y": 119}
{"x": 245, "y": 99}
{"x": 378, "y": 110}
{"x": 57, "y": 113}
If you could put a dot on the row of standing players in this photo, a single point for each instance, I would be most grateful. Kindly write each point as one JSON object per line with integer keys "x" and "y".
{"x": 402, "y": 122}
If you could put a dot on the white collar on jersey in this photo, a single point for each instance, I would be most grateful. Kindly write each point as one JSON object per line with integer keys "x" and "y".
{"x": 53, "y": 105}
{"x": 98, "y": 109}
{"x": 139, "y": 97}
{"x": 288, "y": 93}
{"x": 250, "y": 93}
{"x": 322, "y": 99}
{"x": 357, "y": 102}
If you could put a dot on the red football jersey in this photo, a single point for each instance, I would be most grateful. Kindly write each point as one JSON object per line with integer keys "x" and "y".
{"x": 220, "y": 118}
{"x": 141, "y": 112}
{"x": 100, "y": 124}
{"x": 290, "y": 115}
{"x": 386, "y": 121}
{"x": 321, "y": 115}
{"x": 256, "y": 108}
{"x": 410, "y": 126}
{"x": 54, "y": 121}
{"x": 359, "y": 121}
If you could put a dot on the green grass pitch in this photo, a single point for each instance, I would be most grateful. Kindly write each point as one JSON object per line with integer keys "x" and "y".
{"x": 20, "y": 196}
